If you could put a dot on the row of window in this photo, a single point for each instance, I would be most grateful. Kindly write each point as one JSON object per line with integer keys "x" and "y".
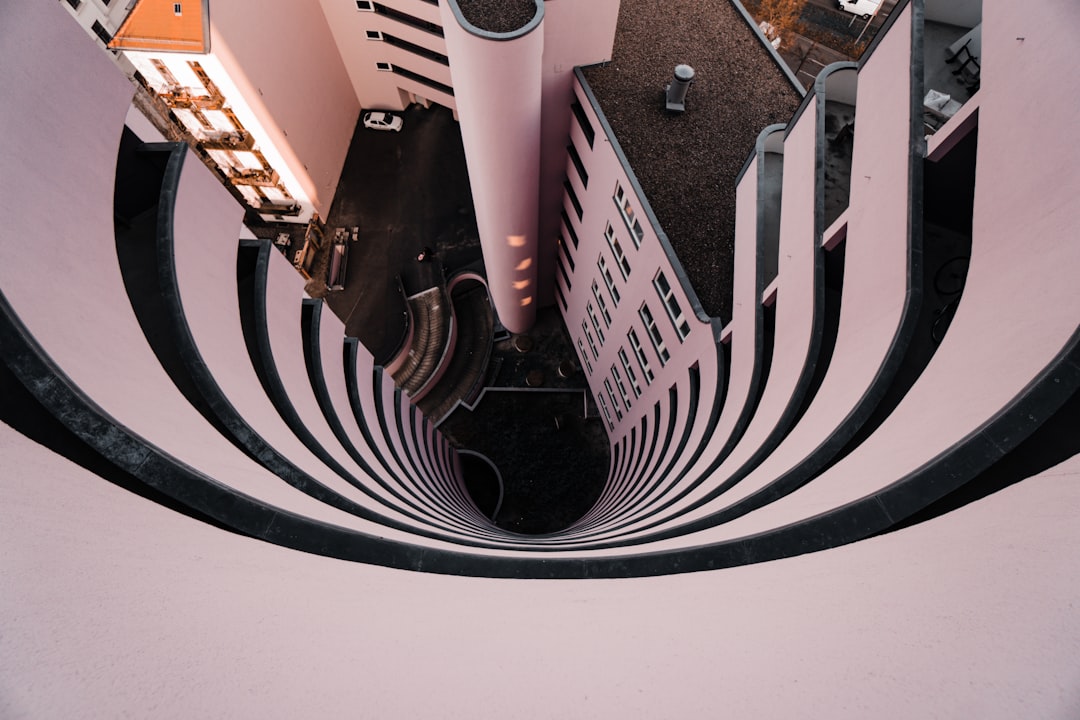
{"x": 671, "y": 304}
{"x": 408, "y": 46}
{"x": 623, "y": 399}
{"x": 404, "y": 18}
{"x": 573, "y": 199}
{"x": 626, "y": 210}
{"x": 579, "y": 166}
{"x": 414, "y": 76}
{"x": 623, "y": 385}
{"x": 583, "y": 122}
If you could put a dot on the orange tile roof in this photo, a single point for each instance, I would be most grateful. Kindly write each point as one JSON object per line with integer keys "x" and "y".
{"x": 155, "y": 25}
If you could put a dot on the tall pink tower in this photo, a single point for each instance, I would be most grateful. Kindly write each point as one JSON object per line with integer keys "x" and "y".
{"x": 511, "y": 68}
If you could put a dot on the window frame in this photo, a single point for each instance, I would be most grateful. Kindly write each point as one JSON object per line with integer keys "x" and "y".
{"x": 655, "y": 336}
{"x": 614, "y": 400}
{"x": 609, "y": 279}
{"x": 635, "y": 386}
{"x": 601, "y": 303}
{"x": 671, "y": 305}
{"x": 589, "y": 337}
{"x": 629, "y": 216}
{"x": 584, "y": 356}
{"x": 617, "y": 252}
{"x": 595, "y": 323}
{"x": 620, "y": 385}
{"x": 639, "y": 352}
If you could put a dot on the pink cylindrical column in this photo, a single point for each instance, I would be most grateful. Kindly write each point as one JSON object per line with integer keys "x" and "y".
{"x": 497, "y": 85}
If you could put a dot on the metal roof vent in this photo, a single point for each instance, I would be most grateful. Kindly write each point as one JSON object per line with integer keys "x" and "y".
{"x": 676, "y": 91}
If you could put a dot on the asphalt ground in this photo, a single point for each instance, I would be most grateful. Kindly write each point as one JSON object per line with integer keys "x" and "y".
{"x": 406, "y": 191}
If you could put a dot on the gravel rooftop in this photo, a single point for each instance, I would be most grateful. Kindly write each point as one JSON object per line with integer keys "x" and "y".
{"x": 687, "y": 164}
{"x": 498, "y": 15}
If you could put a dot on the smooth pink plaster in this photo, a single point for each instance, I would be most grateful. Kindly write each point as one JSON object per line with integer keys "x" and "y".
{"x": 84, "y": 322}
{"x": 978, "y": 369}
{"x": 498, "y": 90}
{"x": 876, "y": 263}
{"x": 576, "y": 32}
{"x": 604, "y": 170}
{"x": 377, "y": 89}
{"x": 969, "y": 615}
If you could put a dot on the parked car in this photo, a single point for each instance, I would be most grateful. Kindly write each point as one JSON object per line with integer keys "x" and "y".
{"x": 382, "y": 121}
{"x": 863, "y": 8}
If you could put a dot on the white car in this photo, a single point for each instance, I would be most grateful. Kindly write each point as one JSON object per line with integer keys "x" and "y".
{"x": 382, "y": 121}
{"x": 863, "y": 8}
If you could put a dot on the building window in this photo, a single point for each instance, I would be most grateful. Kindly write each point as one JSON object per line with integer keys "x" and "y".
{"x": 607, "y": 413}
{"x": 569, "y": 228}
{"x": 602, "y": 304}
{"x": 562, "y": 298}
{"x": 620, "y": 385}
{"x": 410, "y": 47}
{"x": 566, "y": 251}
{"x": 595, "y": 323}
{"x": 617, "y": 251}
{"x": 583, "y": 122}
{"x": 573, "y": 199}
{"x": 630, "y": 374}
{"x": 575, "y": 159}
{"x": 654, "y": 334}
{"x": 674, "y": 311}
{"x": 562, "y": 269}
{"x": 589, "y": 337}
{"x": 584, "y": 357}
{"x": 626, "y": 209}
{"x": 608, "y": 280}
{"x": 384, "y": 67}
{"x": 639, "y": 353}
{"x": 101, "y": 32}
{"x": 399, "y": 16}
{"x": 74, "y": 4}
{"x": 614, "y": 400}
{"x": 177, "y": 10}
{"x": 417, "y": 77}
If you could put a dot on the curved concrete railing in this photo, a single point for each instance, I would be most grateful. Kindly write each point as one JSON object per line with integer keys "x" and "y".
{"x": 114, "y": 601}
{"x": 242, "y": 412}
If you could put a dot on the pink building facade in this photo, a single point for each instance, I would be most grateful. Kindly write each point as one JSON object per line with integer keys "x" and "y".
{"x": 509, "y": 90}
{"x": 214, "y": 504}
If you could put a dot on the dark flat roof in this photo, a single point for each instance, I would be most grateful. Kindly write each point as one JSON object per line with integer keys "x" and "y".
{"x": 498, "y": 16}
{"x": 687, "y": 164}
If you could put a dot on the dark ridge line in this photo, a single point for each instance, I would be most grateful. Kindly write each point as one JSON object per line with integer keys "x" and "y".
{"x": 311, "y": 313}
{"x": 256, "y": 446}
{"x": 1040, "y": 399}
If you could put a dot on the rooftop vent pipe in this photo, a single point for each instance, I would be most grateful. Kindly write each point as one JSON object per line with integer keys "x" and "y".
{"x": 676, "y": 91}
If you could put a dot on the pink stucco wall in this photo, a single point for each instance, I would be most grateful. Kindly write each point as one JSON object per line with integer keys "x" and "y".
{"x": 605, "y": 169}
{"x": 114, "y": 603}
{"x": 970, "y": 616}
{"x": 376, "y": 89}
{"x": 876, "y": 263}
{"x": 577, "y": 32}
{"x": 497, "y": 83}
{"x": 973, "y": 375}
{"x": 876, "y": 271}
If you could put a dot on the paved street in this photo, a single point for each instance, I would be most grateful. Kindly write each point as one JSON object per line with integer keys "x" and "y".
{"x": 405, "y": 191}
